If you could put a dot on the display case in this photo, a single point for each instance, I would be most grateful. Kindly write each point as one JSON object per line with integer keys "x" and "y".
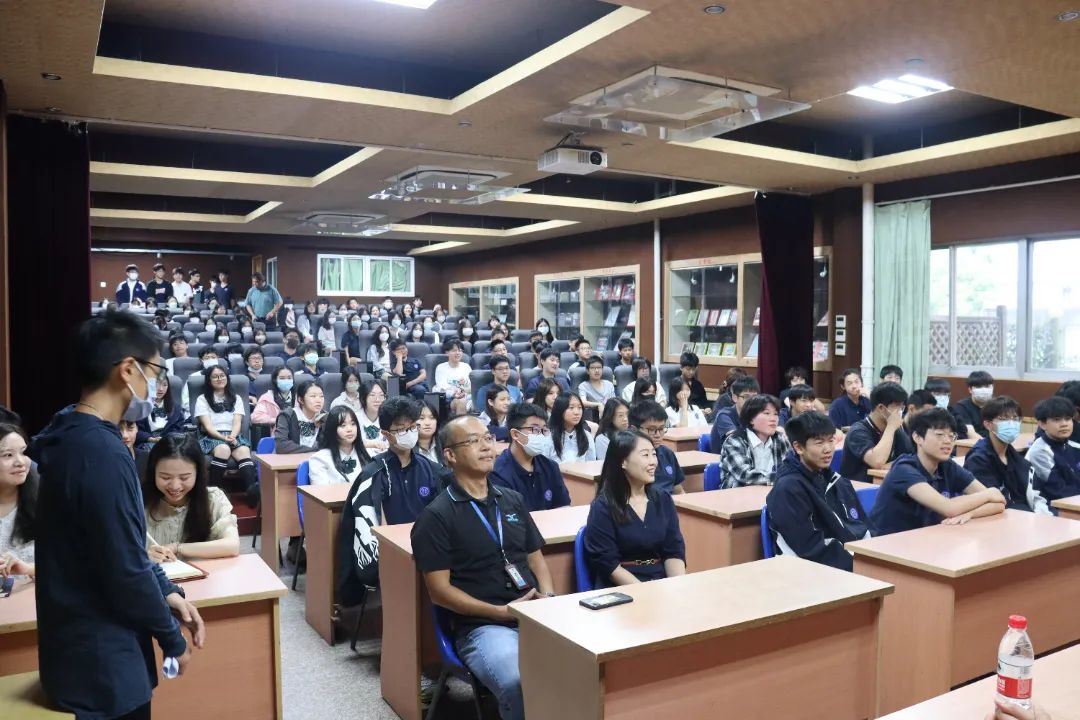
{"x": 480, "y": 299}
{"x": 600, "y": 304}
{"x": 713, "y": 309}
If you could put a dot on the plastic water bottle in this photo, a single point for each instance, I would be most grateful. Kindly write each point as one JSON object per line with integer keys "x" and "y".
{"x": 1015, "y": 660}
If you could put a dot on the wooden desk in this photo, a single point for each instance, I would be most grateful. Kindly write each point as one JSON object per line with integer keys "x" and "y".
{"x": 1068, "y": 507}
{"x": 754, "y": 639}
{"x": 1055, "y": 690}
{"x": 723, "y": 527}
{"x": 238, "y": 602}
{"x": 21, "y": 697}
{"x": 960, "y": 583}
{"x": 685, "y": 438}
{"x": 581, "y": 477}
{"x": 407, "y": 608}
{"x": 877, "y": 476}
{"x": 322, "y": 516}
{"x": 280, "y": 519}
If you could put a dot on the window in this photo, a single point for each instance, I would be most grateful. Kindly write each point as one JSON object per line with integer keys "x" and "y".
{"x": 271, "y": 271}
{"x": 357, "y": 274}
{"x": 1010, "y": 307}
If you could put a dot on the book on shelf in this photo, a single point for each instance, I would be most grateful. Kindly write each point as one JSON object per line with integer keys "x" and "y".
{"x": 757, "y": 316}
{"x": 616, "y": 290}
{"x": 821, "y": 351}
{"x": 824, "y": 321}
{"x": 699, "y": 348}
{"x": 602, "y": 292}
{"x": 687, "y": 347}
{"x": 628, "y": 292}
{"x": 728, "y": 350}
{"x": 753, "y": 351}
{"x": 679, "y": 318}
{"x": 714, "y": 317}
{"x": 601, "y": 343}
{"x": 612, "y": 316}
{"x": 703, "y": 318}
{"x": 733, "y": 319}
{"x": 725, "y": 315}
{"x": 631, "y": 317}
{"x": 691, "y": 318}
{"x": 713, "y": 349}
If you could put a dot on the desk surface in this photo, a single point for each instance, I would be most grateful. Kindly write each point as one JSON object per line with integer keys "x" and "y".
{"x": 693, "y": 432}
{"x": 958, "y": 550}
{"x": 1055, "y": 690}
{"x": 689, "y": 460}
{"x": 732, "y": 503}
{"x": 330, "y": 496}
{"x": 701, "y": 605}
{"x": 231, "y": 580}
{"x": 276, "y": 461}
{"x": 1071, "y": 504}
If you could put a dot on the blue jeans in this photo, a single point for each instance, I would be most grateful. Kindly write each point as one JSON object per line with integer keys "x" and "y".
{"x": 491, "y": 653}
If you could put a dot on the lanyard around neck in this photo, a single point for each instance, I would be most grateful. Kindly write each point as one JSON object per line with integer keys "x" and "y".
{"x": 487, "y": 525}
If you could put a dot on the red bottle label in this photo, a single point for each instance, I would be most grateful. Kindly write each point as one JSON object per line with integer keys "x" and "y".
{"x": 1016, "y": 688}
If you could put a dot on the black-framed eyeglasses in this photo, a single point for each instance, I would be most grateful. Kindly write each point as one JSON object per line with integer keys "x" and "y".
{"x": 161, "y": 371}
{"x": 653, "y": 432}
{"x": 487, "y": 439}
{"x": 535, "y": 430}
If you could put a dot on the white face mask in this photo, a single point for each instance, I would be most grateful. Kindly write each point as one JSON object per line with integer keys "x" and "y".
{"x": 466, "y": 332}
{"x": 133, "y": 276}
{"x": 543, "y": 328}
{"x": 982, "y": 394}
{"x": 418, "y": 333}
{"x": 396, "y": 322}
{"x": 408, "y": 440}
{"x": 208, "y": 363}
{"x": 352, "y": 387}
{"x": 942, "y": 401}
{"x": 388, "y": 305}
{"x": 538, "y": 445}
{"x": 427, "y": 324}
{"x": 384, "y": 336}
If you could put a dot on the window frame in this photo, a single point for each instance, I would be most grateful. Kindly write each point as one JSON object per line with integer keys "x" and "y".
{"x": 271, "y": 275}
{"x": 1021, "y": 369}
{"x": 410, "y": 291}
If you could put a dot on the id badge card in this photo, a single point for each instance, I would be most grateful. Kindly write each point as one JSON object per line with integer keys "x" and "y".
{"x": 515, "y": 577}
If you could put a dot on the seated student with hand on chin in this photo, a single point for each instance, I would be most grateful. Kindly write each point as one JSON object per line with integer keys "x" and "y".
{"x": 632, "y": 534}
{"x": 186, "y": 518}
{"x": 688, "y": 367}
{"x": 526, "y": 466}
{"x": 927, "y": 487}
{"x": 813, "y": 511}
{"x": 648, "y": 418}
{"x": 470, "y": 572}
{"x": 880, "y": 438}
{"x": 1054, "y": 457}
{"x": 995, "y": 462}
{"x": 403, "y": 481}
{"x": 853, "y": 405}
{"x": 727, "y": 418}
{"x": 412, "y": 375}
{"x": 752, "y": 454}
{"x": 681, "y": 412}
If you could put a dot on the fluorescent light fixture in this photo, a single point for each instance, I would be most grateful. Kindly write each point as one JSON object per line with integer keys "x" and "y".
{"x": 437, "y": 247}
{"x": 442, "y": 185}
{"x": 419, "y": 4}
{"x": 901, "y": 89}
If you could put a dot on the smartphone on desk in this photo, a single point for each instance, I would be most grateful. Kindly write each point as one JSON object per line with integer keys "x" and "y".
{"x": 599, "y": 602}
{"x": 6, "y": 586}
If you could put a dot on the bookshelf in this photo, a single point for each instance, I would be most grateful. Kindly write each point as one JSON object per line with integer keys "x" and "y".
{"x": 480, "y": 299}
{"x": 713, "y": 307}
{"x": 601, "y": 304}
{"x": 558, "y": 300}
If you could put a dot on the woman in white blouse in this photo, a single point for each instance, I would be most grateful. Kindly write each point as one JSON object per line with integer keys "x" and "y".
{"x": 220, "y": 414}
{"x": 350, "y": 396}
{"x": 18, "y": 498}
{"x": 378, "y": 353}
{"x": 679, "y": 410}
{"x": 186, "y": 518}
{"x": 340, "y": 457}
{"x": 371, "y": 397}
{"x": 570, "y": 436}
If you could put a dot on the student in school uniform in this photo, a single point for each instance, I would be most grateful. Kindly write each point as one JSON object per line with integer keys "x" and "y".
{"x": 179, "y": 347}
{"x": 794, "y": 376}
{"x": 752, "y": 454}
{"x": 1055, "y": 458}
{"x": 372, "y": 395}
{"x": 800, "y": 399}
{"x": 496, "y": 407}
{"x": 18, "y": 504}
{"x": 880, "y": 438}
{"x": 724, "y": 400}
{"x": 941, "y": 390}
{"x": 891, "y": 373}
{"x": 595, "y": 391}
{"x": 500, "y": 369}
{"x": 223, "y": 293}
{"x": 181, "y": 289}
{"x": 159, "y": 290}
{"x": 571, "y": 438}
{"x": 341, "y": 455}
{"x": 452, "y": 377}
{"x": 165, "y": 418}
{"x": 968, "y": 412}
{"x": 186, "y": 518}
{"x": 131, "y": 291}
{"x": 290, "y": 346}
{"x": 854, "y": 405}
{"x": 309, "y": 352}
{"x": 219, "y": 413}
{"x": 632, "y": 534}
{"x": 681, "y": 412}
{"x": 649, "y": 418}
{"x": 278, "y": 398}
{"x": 404, "y": 482}
{"x": 995, "y": 462}
{"x": 457, "y": 549}
{"x": 408, "y": 370}
{"x": 350, "y": 341}
{"x": 927, "y": 487}
{"x": 727, "y": 419}
{"x": 549, "y": 368}
{"x": 643, "y": 371}
{"x": 1070, "y": 389}
{"x": 688, "y": 367}
{"x": 813, "y": 511}
{"x": 918, "y": 402}
{"x": 497, "y": 348}
{"x": 616, "y": 417}
{"x": 583, "y": 350}
{"x": 428, "y": 443}
{"x": 625, "y": 348}
{"x": 526, "y": 466}
{"x": 299, "y": 429}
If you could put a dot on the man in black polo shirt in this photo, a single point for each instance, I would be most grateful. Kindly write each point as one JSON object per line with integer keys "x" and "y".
{"x": 880, "y": 437}
{"x": 479, "y": 551}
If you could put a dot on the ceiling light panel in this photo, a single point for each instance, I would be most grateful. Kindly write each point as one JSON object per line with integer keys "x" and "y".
{"x": 446, "y": 186}
{"x": 344, "y": 224}
{"x": 901, "y": 89}
{"x": 418, "y": 4}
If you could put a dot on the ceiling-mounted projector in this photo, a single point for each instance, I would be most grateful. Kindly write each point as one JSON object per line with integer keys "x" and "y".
{"x": 572, "y": 160}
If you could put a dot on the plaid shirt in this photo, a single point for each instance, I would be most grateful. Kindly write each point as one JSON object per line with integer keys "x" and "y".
{"x": 737, "y": 460}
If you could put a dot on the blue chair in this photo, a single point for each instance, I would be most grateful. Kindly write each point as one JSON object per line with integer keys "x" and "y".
{"x": 581, "y": 566}
{"x": 867, "y": 497}
{"x": 302, "y": 479}
{"x": 451, "y": 664}
{"x": 837, "y": 458}
{"x": 264, "y": 447}
{"x": 703, "y": 443}
{"x": 714, "y": 478}
{"x": 766, "y": 536}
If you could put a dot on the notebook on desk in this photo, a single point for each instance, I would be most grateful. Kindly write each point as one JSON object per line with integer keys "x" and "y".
{"x": 180, "y": 571}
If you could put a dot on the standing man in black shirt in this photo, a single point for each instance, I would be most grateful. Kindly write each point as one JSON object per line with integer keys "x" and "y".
{"x": 100, "y": 601}
{"x": 479, "y": 551}
{"x": 159, "y": 289}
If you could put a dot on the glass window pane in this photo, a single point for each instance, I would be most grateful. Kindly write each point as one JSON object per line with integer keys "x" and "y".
{"x": 329, "y": 274}
{"x": 1055, "y": 305}
{"x": 939, "y": 307}
{"x": 986, "y": 292}
{"x": 271, "y": 272}
{"x": 821, "y": 309}
{"x": 353, "y": 275}
{"x": 380, "y": 275}
{"x": 401, "y": 271}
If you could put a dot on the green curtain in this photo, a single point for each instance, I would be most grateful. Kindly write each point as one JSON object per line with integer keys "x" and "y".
{"x": 353, "y": 276}
{"x": 902, "y": 289}
{"x": 380, "y": 276}
{"x": 400, "y": 279}
{"x": 329, "y": 274}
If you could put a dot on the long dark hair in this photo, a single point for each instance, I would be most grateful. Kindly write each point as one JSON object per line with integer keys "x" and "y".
{"x": 435, "y": 444}
{"x": 208, "y": 391}
{"x": 489, "y": 406}
{"x": 640, "y": 386}
{"x": 558, "y": 428}
{"x": 326, "y": 322}
{"x": 607, "y": 420}
{"x": 166, "y": 399}
{"x": 282, "y": 401}
{"x": 539, "y": 397}
{"x": 366, "y": 388}
{"x": 330, "y": 439}
{"x": 614, "y": 486}
{"x": 375, "y": 337}
{"x": 181, "y": 447}
{"x": 26, "y": 496}
{"x": 677, "y": 384}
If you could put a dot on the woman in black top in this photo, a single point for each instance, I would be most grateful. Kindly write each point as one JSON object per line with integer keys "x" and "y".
{"x": 632, "y": 534}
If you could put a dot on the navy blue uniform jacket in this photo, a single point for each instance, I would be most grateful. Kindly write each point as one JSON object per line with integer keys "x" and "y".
{"x": 543, "y": 488}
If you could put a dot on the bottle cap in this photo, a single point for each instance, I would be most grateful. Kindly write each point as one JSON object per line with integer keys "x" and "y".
{"x": 1018, "y": 622}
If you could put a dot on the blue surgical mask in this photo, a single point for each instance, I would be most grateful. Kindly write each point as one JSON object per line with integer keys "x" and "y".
{"x": 365, "y": 317}
{"x": 355, "y": 324}
{"x": 284, "y": 384}
{"x": 396, "y": 322}
{"x": 427, "y": 324}
{"x": 1007, "y": 430}
{"x": 254, "y": 370}
{"x": 140, "y": 408}
{"x": 311, "y": 358}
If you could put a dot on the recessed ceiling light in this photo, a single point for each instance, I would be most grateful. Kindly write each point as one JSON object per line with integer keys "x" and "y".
{"x": 50, "y": 76}
{"x": 464, "y": 124}
{"x": 1068, "y": 15}
{"x": 901, "y": 89}
{"x": 419, "y": 4}
{"x": 715, "y": 9}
